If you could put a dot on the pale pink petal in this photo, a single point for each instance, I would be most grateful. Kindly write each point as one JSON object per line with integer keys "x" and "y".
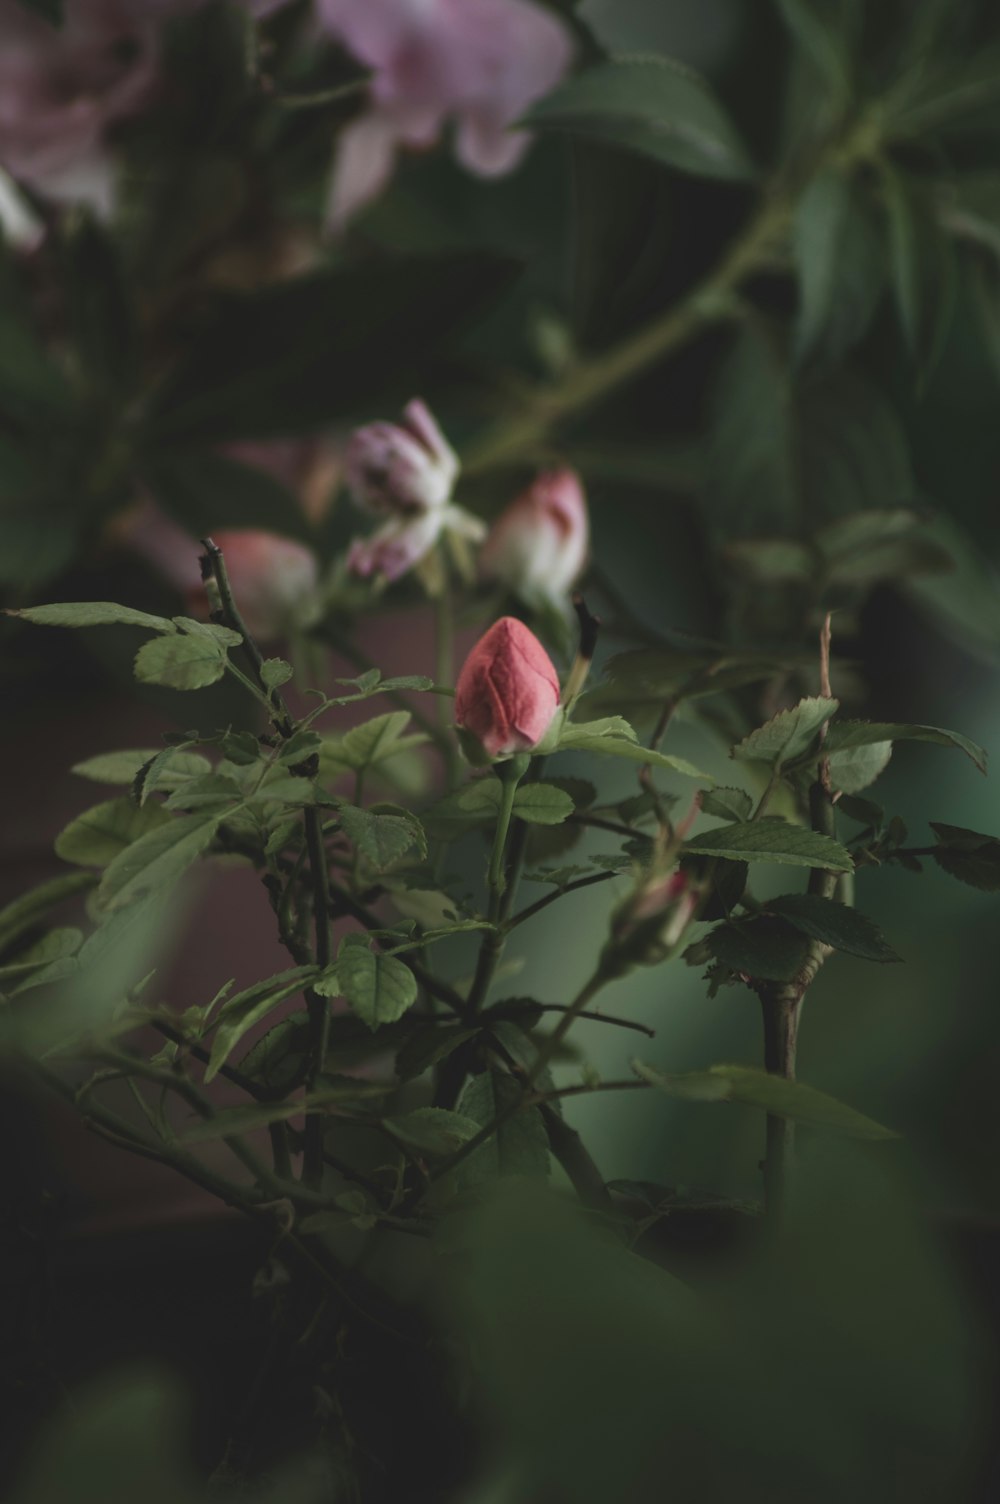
{"x": 366, "y": 153}
{"x": 395, "y": 548}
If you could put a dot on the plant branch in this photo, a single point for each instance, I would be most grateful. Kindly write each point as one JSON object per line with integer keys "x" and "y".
{"x": 573, "y": 887}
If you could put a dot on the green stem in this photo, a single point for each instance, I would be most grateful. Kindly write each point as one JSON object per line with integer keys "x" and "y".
{"x": 509, "y": 780}
{"x": 593, "y": 379}
{"x": 319, "y": 1007}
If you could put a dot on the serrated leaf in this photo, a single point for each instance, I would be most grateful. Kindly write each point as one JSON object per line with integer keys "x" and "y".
{"x": 834, "y": 924}
{"x": 727, "y": 804}
{"x": 520, "y": 1146}
{"x": 379, "y": 988}
{"x": 215, "y": 789}
{"x": 246, "y": 1008}
{"x": 226, "y": 637}
{"x": 775, "y": 1095}
{"x": 856, "y": 768}
{"x": 277, "y": 1060}
{"x": 479, "y": 803}
{"x": 369, "y": 744}
{"x": 161, "y": 769}
{"x": 100, "y": 834}
{"x": 759, "y": 947}
{"x": 773, "y": 841}
{"x": 380, "y": 839}
{"x": 966, "y": 854}
{"x": 652, "y": 106}
{"x": 157, "y": 859}
{"x": 434, "y": 1132}
{"x": 92, "y": 614}
{"x": 181, "y": 661}
{"x": 275, "y": 672}
{"x": 788, "y": 734}
{"x": 844, "y": 734}
{"x": 122, "y": 767}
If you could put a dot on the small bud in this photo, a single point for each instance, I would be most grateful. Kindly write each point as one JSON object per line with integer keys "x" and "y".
{"x": 273, "y": 578}
{"x": 538, "y": 546}
{"x": 651, "y": 921}
{"x": 398, "y": 470}
{"x": 507, "y": 692}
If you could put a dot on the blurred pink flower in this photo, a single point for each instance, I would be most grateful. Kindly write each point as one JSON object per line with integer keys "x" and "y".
{"x": 507, "y": 691}
{"x": 396, "y": 469}
{"x": 404, "y": 472}
{"x": 61, "y": 89}
{"x": 538, "y": 546}
{"x": 274, "y": 579}
{"x": 478, "y": 62}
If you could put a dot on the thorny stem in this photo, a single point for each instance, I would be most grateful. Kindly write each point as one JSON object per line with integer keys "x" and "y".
{"x": 214, "y": 570}
{"x": 781, "y": 1002}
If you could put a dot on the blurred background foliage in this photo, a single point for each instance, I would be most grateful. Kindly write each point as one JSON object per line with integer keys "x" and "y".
{"x": 823, "y": 437}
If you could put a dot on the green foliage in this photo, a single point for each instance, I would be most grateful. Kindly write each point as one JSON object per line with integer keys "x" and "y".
{"x": 834, "y": 924}
{"x": 241, "y": 1012}
{"x": 772, "y": 840}
{"x": 158, "y": 858}
{"x": 653, "y": 106}
{"x": 379, "y": 988}
{"x": 182, "y": 662}
{"x": 967, "y": 855}
{"x": 788, "y": 735}
{"x": 781, "y": 1098}
{"x": 100, "y": 835}
{"x": 520, "y": 1145}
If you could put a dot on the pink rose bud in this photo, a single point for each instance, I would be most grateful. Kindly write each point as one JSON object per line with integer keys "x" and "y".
{"x": 651, "y": 921}
{"x": 508, "y": 690}
{"x": 274, "y": 579}
{"x": 394, "y": 470}
{"x": 538, "y": 546}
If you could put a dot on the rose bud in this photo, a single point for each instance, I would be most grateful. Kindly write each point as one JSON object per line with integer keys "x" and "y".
{"x": 650, "y": 922}
{"x": 395, "y": 470}
{"x": 507, "y": 692}
{"x": 273, "y": 578}
{"x": 538, "y": 546}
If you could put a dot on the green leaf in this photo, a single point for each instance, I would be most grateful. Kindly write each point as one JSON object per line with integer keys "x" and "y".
{"x": 967, "y": 855}
{"x": 758, "y": 947}
{"x": 428, "y": 1047}
{"x": 100, "y": 834}
{"x": 368, "y": 745}
{"x": 92, "y": 614}
{"x": 434, "y": 1132}
{"x": 122, "y": 767}
{"x": 277, "y": 1060}
{"x": 834, "y": 924}
{"x": 846, "y": 734}
{"x": 247, "y": 1008}
{"x": 727, "y": 804}
{"x": 922, "y": 267}
{"x": 158, "y": 858}
{"x": 162, "y": 768}
{"x": 788, "y": 734}
{"x": 857, "y": 767}
{"x": 57, "y": 945}
{"x": 652, "y": 106}
{"x": 755, "y": 1088}
{"x": 275, "y": 672}
{"x": 379, "y": 988}
{"x": 607, "y": 738}
{"x": 781, "y": 451}
{"x": 181, "y": 662}
{"x": 479, "y": 802}
{"x": 17, "y": 918}
{"x": 228, "y": 1120}
{"x": 818, "y": 232}
{"x": 773, "y": 841}
{"x": 520, "y": 1145}
{"x": 380, "y": 838}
